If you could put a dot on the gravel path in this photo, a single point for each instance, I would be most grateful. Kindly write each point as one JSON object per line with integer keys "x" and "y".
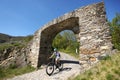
{"x": 71, "y": 67}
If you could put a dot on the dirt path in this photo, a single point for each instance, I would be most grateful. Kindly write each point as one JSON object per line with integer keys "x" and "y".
{"x": 71, "y": 67}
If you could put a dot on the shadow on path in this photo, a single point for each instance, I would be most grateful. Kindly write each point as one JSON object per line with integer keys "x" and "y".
{"x": 64, "y": 69}
{"x": 69, "y": 61}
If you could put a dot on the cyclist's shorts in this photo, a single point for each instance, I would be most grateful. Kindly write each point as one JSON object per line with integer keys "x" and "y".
{"x": 57, "y": 58}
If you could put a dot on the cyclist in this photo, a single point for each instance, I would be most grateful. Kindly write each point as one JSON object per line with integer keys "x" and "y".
{"x": 56, "y": 56}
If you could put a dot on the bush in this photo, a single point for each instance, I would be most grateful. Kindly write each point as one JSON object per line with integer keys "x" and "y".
{"x": 5, "y": 46}
{"x": 28, "y": 38}
{"x": 107, "y": 57}
{"x": 115, "y": 31}
{"x": 2, "y": 74}
{"x": 117, "y": 72}
{"x": 12, "y": 66}
{"x": 109, "y": 77}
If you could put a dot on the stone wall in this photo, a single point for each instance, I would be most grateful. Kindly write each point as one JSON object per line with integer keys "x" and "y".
{"x": 94, "y": 33}
{"x": 89, "y": 25}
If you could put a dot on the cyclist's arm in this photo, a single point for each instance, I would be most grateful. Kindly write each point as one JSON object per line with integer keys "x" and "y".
{"x": 52, "y": 55}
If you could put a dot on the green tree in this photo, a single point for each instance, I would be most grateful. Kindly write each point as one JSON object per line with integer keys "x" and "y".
{"x": 115, "y": 31}
{"x": 57, "y": 41}
{"x": 66, "y": 40}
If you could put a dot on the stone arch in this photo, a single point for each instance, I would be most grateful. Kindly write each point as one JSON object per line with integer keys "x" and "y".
{"x": 88, "y": 23}
{"x": 49, "y": 33}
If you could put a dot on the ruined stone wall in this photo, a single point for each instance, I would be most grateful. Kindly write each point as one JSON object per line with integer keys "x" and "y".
{"x": 94, "y": 33}
{"x": 88, "y": 23}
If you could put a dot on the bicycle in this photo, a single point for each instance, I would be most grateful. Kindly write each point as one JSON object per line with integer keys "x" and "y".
{"x": 51, "y": 66}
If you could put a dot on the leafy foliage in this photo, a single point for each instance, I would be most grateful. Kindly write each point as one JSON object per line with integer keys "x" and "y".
{"x": 66, "y": 42}
{"x": 115, "y": 31}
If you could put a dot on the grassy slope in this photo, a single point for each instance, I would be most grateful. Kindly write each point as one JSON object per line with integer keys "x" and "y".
{"x": 12, "y": 71}
{"x": 108, "y": 69}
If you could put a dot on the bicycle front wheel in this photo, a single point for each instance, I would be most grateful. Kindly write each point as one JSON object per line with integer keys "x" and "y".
{"x": 50, "y": 69}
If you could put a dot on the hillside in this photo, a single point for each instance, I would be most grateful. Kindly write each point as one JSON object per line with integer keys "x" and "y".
{"x": 12, "y": 49}
{"x": 7, "y": 41}
{"x": 4, "y": 38}
{"x": 107, "y": 69}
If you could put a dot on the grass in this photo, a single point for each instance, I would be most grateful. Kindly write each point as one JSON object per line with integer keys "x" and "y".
{"x": 13, "y": 71}
{"x": 107, "y": 69}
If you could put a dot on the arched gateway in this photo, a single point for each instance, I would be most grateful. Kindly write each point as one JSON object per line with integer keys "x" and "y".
{"x": 88, "y": 23}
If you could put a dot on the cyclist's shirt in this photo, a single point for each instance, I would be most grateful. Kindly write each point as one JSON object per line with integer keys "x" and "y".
{"x": 57, "y": 54}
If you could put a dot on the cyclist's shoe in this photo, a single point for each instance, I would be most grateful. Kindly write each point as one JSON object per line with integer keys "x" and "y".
{"x": 56, "y": 67}
{"x": 60, "y": 69}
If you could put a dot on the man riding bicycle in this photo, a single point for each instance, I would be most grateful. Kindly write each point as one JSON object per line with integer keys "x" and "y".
{"x": 55, "y": 63}
{"x": 56, "y": 56}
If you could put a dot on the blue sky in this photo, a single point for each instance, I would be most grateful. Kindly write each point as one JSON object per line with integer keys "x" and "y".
{"x": 24, "y": 17}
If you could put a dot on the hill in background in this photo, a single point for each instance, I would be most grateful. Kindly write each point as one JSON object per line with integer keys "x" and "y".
{"x": 4, "y": 38}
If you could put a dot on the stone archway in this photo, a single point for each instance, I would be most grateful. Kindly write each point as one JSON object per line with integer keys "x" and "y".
{"x": 49, "y": 33}
{"x": 88, "y": 23}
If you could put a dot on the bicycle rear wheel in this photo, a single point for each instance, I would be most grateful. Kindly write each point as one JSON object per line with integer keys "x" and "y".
{"x": 50, "y": 68}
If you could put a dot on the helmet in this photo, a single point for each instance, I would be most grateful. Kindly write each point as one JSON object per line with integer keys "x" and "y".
{"x": 55, "y": 49}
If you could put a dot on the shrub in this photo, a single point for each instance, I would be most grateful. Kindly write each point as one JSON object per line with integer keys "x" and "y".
{"x": 12, "y": 66}
{"x": 1, "y": 73}
{"x": 117, "y": 72}
{"x": 107, "y": 57}
{"x": 28, "y": 38}
{"x": 109, "y": 77}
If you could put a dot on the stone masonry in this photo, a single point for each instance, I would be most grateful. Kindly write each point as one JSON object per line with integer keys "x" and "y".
{"x": 89, "y": 25}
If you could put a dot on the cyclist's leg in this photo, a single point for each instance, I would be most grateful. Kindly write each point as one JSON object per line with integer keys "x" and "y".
{"x": 56, "y": 59}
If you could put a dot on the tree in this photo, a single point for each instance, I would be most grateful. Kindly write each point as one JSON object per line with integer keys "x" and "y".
{"x": 115, "y": 31}
{"x": 66, "y": 40}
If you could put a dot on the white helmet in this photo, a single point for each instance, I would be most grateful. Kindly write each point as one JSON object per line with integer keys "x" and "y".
{"x": 55, "y": 49}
